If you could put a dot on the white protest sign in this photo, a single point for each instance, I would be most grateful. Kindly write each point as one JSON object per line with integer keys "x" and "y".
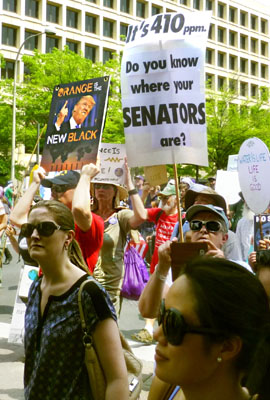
{"x": 254, "y": 171}
{"x": 163, "y": 85}
{"x": 112, "y": 163}
{"x": 227, "y": 184}
{"x": 232, "y": 163}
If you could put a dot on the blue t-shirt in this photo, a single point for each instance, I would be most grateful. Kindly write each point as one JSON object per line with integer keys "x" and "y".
{"x": 54, "y": 351}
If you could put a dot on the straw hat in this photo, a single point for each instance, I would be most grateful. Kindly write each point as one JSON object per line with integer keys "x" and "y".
{"x": 122, "y": 192}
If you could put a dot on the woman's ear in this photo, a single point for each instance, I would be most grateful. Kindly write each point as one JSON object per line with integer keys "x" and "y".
{"x": 70, "y": 236}
{"x": 231, "y": 348}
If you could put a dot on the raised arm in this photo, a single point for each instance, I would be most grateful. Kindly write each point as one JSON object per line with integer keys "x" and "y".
{"x": 19, "y": 213}
{"x": 156, "y": 288}
{"x": 81, "y": 207}
{"x": 140, "y": 213}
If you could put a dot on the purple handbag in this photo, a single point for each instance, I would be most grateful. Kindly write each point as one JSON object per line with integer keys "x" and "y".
{"x": 136, "y": 275}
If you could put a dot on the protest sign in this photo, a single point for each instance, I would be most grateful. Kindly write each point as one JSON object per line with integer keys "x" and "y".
{"x": 253, "y": 172}
{"x": 162, "y": 86}
{"x": 261, "y": 225}
{"x": 227, "y": 184}
{"x": 112, "y": 163}
{"x": 156, "y": 175}
{"x": 75, "y": 124}
{"x": 232, "y": 162}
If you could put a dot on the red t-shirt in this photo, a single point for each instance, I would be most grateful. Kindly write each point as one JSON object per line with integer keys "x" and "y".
{"x": 164, "y": 229}
{"x": 91, "y": 241}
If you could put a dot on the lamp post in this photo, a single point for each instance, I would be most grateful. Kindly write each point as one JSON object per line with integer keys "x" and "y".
{"x": 48, "y": 30}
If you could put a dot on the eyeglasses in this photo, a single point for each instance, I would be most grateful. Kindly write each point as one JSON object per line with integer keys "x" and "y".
{"x": 61, "y": 188}
{"x": 45, "y": 228}
{"x": 211, "y": 226}
{"x": 102, "y": 186}
{"x": 175, "y": 327}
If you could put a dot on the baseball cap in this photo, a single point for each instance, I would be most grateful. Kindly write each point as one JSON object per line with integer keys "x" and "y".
{"x": 169, "y": 190}
{"x": 139, "y": 177}
{"x": 64, "y": 178}
{"x": 193, "y": 210}
{"x": 198, "y": 188}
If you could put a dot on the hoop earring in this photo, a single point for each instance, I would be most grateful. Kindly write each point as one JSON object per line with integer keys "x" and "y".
{"x": 66, "y": 245}
{"x": 219, "y": 359}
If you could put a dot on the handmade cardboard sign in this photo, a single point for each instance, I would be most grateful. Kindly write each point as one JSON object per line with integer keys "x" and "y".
{"x": 163, "y": 85}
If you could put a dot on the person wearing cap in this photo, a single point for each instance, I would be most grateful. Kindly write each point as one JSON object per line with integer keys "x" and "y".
{"x": 200, "y": 194}
{"x": 62, "y": 189}
{"x": 212, "y": 182}
{"x": 118, "y": 222}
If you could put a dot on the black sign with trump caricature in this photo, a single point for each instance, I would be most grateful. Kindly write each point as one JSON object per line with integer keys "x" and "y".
{"x": 75, "y": 125}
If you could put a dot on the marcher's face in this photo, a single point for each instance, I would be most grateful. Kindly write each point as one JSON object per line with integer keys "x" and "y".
{"x": 191, "y": 362}
{"x": 42, "y": 247}
{"x": 105, "y": 192}
{"x": 64, "y": 197}
{"x": 168, "y": 203}
{"x": 82, "y": 109}
{"x": 183, "y": 189}
{"x": 139, "y": 183}
{"x": 218, "y": 238}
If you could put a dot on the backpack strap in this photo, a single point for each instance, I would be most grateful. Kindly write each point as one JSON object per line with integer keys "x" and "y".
{"x": 158, "y": 216}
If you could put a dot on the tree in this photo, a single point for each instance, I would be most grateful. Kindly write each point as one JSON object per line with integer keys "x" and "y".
{"x": 34, "y": 97}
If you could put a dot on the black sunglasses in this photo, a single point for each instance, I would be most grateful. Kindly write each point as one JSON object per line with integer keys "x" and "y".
{"x": 46, "y": 228}
{"x": 175, "y": 327}
{"x": 211, "y": 226}
{"x": 61, "y": 188}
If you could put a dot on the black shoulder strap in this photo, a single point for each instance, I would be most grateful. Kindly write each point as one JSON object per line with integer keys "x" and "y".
{"x": 158, "y": 216}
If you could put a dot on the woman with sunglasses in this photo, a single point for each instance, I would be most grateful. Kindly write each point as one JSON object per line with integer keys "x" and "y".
{"x": 54, "y": 350}
{"x": 213, "y": 335}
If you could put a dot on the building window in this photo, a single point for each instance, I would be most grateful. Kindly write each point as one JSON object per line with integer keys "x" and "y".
{"x": 221, "y": 35}
{"x": 243, "y": 42}
{"x": 208, "y": 56}
{"x": 253, "y": 68}
{"x": 221, "y": 59}
{"x": 232, "y": 38}
{"x": 263, "y": 26}
{"x": 232, "y": 14}
{"x": 211, "y": 31}
{"x": 52, "y": 13}
{"x": 73, "y": 46}
{"x": 221, "y": 10}
{"x": 196, "y": 4}
{"x": 7, "y": 72}
{"x": 253, "y": 90}
{"x": 123, "y": 31}
{"x": 107, "y": 28}
{"x": 243, "y": 65}
{"x": 232, "y": 63}
{"x": 220, "y": 82}
{"x": 72, "y": 19}
{"x": 155, "y": 10}
{"x": 264, "y": 71}
{"x": 90, "y": 53}
{"x": 243, "y": 89}
{"x": 253, "y": 22}
{"x": 233, "y": 86}
{"x": 253, "y": 45}
{"x": 90, "y": 23}
{"x": 107, "y": 55}
{"x": 9, "y": 36}
{"x": 209, "y": 5}
{"x": 263, "y": 48}
{"x": 243, "y": 17}
{"x": 31, "y": 8}
{"x": 91, "y": 1}
{"x": 108, "y": 3}
{"x": 124, "y": 6}
{"x": 140, "y": 9}
{"x": 32, "y": 43}
{"x": 209, "y": 80}
{"x": 10, "y": 5}
{"x": 184, "y": 2}
{"x": 51, "y": 42}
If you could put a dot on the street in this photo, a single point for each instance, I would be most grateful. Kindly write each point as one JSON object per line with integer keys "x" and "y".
{"x": 12, "y": 355}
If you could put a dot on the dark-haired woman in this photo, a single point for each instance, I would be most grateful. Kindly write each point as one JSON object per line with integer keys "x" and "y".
{"x": 214, "y": 335}
{"x": 54, "y": 352}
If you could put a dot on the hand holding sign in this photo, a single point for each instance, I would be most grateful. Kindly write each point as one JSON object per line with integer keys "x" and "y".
{"x": 62, "y": 114}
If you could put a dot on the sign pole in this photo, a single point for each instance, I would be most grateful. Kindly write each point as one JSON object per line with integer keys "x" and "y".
{"x": 178, "y": 204}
